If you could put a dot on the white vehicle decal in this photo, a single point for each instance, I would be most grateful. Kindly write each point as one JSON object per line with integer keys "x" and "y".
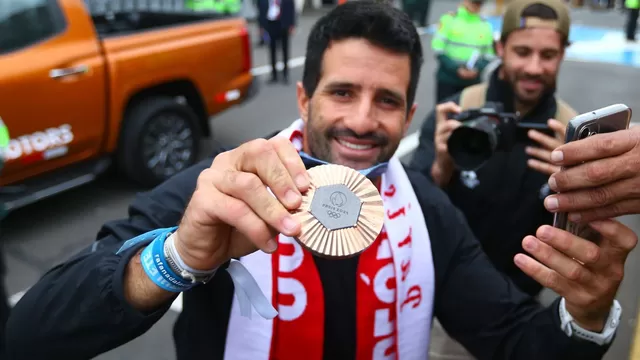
{"x": 40, "y": 142}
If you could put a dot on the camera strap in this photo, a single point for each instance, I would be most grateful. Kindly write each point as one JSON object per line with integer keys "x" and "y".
{"x": 475, "y": 96}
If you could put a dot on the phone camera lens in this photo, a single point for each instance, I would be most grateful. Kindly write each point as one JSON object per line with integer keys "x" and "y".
{"x": 584, "y": 133}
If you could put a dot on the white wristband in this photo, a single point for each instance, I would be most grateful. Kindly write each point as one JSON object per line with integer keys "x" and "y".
{"x": 246, "y": 288}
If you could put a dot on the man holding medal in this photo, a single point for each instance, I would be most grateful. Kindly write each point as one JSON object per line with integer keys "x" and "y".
{"x": 280, "y": 301}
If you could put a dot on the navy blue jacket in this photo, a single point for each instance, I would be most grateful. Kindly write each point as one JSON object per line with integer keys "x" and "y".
{"x": 287, "y": 14}
{"x": 78, "y": 310}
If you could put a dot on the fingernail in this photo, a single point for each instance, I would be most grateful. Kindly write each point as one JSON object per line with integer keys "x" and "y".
{"x": 552, "y": 183}
{"x": 302, "y": 181}
{"x": 551, "y": 203}
{"x": 544, "y": 233}
{"x": 529, "y": 244}
{"x": 272, "y": 246}
{"x": 575, "y": 217}
{"x": 291, "y": 197}
{"x": 527, "y": 149}
{"x": 289, "y": 224}
{"x": 557, "y": 156}
{"x": 519, "y": 259}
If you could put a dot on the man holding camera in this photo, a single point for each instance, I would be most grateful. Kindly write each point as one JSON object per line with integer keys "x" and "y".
{"x": 502, "y": 197}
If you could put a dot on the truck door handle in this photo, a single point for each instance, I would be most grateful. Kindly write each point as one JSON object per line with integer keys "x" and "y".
{"x": 75, "y": 70}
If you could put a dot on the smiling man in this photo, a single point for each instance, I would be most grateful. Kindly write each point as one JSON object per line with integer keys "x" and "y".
{"x": 356, "y": 101}
{"x": 503, "y": 199}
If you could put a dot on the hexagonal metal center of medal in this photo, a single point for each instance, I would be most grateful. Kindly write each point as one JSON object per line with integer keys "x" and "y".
{"x": 336, "y": 207}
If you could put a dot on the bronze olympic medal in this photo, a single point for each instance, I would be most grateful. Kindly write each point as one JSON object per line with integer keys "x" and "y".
{"x": 341, "y": 213}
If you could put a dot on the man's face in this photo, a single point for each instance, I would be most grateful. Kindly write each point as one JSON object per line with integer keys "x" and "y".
{"x": 358, "y": 113}
{"x": 531, "y": 59}
{"x": 474, "y": 6}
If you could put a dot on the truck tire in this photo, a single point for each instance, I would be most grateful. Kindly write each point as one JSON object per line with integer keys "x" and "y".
{"x": 160, "y": 137}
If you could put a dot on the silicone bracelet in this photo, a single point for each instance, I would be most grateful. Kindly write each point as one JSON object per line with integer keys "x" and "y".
{"x": 157, "y": 269}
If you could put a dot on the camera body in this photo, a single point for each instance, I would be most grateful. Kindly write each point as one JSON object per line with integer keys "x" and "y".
{"x": 483, "y": 132}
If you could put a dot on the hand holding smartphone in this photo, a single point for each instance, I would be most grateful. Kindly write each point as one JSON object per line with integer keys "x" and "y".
{"x": 604, "y": 120}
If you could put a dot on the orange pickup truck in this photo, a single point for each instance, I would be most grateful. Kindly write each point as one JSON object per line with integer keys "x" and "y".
{"x": 80, "y": 92}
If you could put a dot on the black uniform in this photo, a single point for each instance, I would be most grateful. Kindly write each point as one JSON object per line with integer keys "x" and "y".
{"x": 77, "y": 310}
{"x": 503, "y": 200}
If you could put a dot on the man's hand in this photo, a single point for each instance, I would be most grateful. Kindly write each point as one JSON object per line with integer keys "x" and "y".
{"x": 586, "y": 274}
{"x": 292, "y": 30}
{"x": 442, "y": 167}
{"x": 547, "y": 143}
{"x": 232, "y": 213}
{"x": 467, "y": 74}
{"x": 606, "y": 185}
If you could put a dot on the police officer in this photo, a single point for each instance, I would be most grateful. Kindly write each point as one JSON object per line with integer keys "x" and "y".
{"x": 4, "y": 301}
{"x": 633, "y": 10}
{"x": 218, "y": 6}
{"x": 463, "y": 45}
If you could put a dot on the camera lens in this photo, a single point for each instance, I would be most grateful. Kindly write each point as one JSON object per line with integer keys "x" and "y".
{"x": 584, "y": 133}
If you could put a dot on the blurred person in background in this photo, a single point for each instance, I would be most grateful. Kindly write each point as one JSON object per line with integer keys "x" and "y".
{"x": 4, "y": 300}
{"x": 418, "y": 10}
{"x": 503, "y": 199}
{"x": 633, "y": 10}
{"x": 279, "y": 19}
{"x": 261, "y": 20}
{"x": 227, "y": 7}
{"x": 463, "y": 45}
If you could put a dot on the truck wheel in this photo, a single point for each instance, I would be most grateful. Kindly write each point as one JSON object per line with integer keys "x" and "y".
{"x": 160, "y": 137}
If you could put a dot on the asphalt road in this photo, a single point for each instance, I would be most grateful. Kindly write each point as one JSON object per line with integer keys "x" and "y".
{"x": 44, "y": 234}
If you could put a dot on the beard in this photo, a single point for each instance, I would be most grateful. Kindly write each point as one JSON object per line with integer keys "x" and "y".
{"x": 529, "y": 98}
{"x": 320, "y": 141}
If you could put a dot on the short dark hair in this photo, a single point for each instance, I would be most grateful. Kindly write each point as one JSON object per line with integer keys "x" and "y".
{"x": 375, "y": 21}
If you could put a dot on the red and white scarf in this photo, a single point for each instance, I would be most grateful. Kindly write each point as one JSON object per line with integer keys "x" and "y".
{"x": 395, "y": 288}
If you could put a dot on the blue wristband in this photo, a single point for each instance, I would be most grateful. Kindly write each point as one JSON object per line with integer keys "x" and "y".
{"x": 155, "y": 265}
{"x": 145, "y": 238}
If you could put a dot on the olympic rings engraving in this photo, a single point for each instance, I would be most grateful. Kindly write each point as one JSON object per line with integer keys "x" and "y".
{"x": 333, "y": 214}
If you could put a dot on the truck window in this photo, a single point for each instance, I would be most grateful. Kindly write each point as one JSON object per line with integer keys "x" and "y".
{"x": 27, "y": 22}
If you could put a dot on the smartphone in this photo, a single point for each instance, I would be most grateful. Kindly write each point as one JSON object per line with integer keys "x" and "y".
{"x": 605, "y": 120}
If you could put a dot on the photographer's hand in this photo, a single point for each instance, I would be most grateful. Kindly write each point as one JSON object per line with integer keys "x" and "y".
{"x": 442, "y": 167}
{"x": 543, "y": 162}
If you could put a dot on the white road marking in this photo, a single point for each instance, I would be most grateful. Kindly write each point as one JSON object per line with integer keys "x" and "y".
{"x": 407, "y": 145}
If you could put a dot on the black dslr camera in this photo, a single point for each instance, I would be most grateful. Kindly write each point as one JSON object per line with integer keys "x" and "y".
{"x": 483, "y": 132}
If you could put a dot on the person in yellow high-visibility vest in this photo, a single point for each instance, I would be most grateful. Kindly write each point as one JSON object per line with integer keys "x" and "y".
{"x": 463, "y": 45}
{"x": 633, "y": 10}
{"x": 4, "y": 302}
{"x": 218, "y": 6}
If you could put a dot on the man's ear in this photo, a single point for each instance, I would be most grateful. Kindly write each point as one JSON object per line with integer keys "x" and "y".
{"x": 499, "y": 48}
{"x": 303, "y": 101}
